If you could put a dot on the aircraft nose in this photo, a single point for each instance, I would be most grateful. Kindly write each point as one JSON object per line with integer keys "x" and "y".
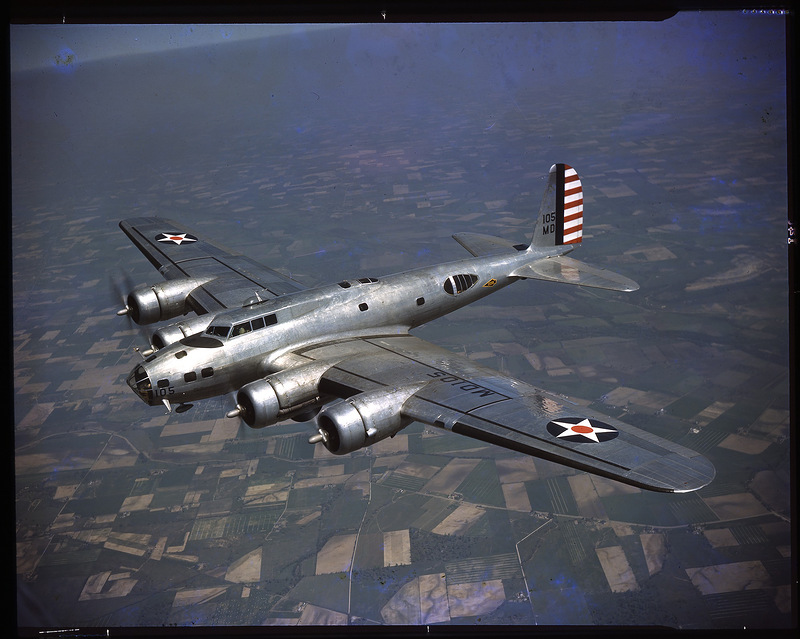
{"x": 139, "y": 382}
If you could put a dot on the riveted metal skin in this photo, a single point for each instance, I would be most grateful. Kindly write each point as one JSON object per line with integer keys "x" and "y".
{"x": 258, "y": 404}
{"x": 162, "y": 301}
{"x": 364, "y": 419}
{"x": 175, "y": 332}
{"x": 280, "y": 395}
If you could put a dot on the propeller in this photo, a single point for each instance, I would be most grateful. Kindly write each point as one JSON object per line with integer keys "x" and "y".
{"x": 121, "y": 285}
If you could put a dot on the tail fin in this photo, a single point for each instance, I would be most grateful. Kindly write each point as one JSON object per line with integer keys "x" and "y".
{"x": 561, "y": 214}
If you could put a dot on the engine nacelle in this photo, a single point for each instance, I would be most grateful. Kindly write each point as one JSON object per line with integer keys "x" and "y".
{"x": 176, "y": 332}
{"x": 289, "y": 393}
{"x": 364, "y": 419}
{"x": 163, "y": 301}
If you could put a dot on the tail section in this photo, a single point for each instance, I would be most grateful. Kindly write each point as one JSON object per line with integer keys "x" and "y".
{"x": 560, "y": 219}
{"x": 560, "y": 223}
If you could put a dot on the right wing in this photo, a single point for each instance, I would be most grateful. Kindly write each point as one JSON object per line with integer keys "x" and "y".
{"x": 458, "y": 395}
{"x": 176, "y": 253}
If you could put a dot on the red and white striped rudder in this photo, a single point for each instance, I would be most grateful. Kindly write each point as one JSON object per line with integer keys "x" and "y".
{"x": 561, "y": 214}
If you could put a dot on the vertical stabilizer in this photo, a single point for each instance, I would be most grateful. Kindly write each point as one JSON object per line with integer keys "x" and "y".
{"x": 561, "y": 214}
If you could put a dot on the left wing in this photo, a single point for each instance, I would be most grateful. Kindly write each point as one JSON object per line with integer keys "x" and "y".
{"x": 178, "y": 252}
{"x": 471, "y": 400}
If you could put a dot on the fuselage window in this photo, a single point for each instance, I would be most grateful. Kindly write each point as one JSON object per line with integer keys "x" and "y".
{"x": 218, "y": 331}
{"x": 456, "y": 284}
{"x": 420, "y": 301}
{"x": 362, "y": 307}
{"x": 190, "y": 377}
{"x": 163, "y": 383}
{"x": 241, "y": 329}
{"x": 207, "y": 372}
{"x": 180, "y": 354}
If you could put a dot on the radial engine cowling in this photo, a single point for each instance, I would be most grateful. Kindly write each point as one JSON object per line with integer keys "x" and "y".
{"x": 163, "y": 301}
{"x": 364, "y": 419}
{"x": 289, "y": 393}
{"x": 176, "y": 332}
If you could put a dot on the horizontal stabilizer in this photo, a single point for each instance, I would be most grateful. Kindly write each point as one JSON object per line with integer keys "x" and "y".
{"x": 480, "y": 245}
{"x": 570, "y": 271}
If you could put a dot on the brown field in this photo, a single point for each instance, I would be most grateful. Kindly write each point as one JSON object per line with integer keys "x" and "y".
{"x": 459, "y": 521}
{"x": 743, "y": 575}
{"x": 585, "y": 493}
{"x": 396, "y": 548}
{"x": 246, "y": 569}
{"x": 655, "y": 551}
{"x": 512, "y": 470}
{"x": 618, "y": 571}
{"x": 336, "y": 555}
{"x": 480, "y": 598}
{"x": 738, "y": 505}
{"x": 449, "y": 477}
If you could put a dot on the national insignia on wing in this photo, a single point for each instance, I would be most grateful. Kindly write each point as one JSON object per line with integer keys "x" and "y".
{"x": 176, "y": 238}
{"x": 581, "y": 430}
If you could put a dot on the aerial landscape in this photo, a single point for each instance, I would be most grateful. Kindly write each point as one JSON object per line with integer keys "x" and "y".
{"x": 342, "y": 151}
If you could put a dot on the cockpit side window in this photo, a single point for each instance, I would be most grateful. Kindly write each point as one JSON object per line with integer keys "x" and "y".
{"x": 218, "y": 331}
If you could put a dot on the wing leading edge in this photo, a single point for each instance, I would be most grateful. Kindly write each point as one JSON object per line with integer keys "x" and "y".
{"x": 230, "y": 277}
{"x": 477, "y": 402}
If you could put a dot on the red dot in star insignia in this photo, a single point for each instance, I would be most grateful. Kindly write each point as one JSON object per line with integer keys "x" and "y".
{"x": 578, "y": 428}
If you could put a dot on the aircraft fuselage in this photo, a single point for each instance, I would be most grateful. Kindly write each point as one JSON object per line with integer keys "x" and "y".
{"x": 247, "y": 343}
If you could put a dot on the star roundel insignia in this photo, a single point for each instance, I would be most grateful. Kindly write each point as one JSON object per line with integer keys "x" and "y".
{"x": 581, "y": 430}
{"x": 176, "y": 238}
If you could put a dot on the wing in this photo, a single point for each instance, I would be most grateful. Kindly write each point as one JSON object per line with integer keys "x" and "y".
{"x": 478, "y": 402}
{"x": 178, "y": 252}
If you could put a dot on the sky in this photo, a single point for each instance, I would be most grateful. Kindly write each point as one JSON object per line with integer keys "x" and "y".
{"x": 220, "y": 74}
{"x": 45, "y": 46}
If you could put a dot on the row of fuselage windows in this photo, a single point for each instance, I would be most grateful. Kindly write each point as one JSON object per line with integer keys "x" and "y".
{"x": 453, "y": 285}
{"x": 191, "y": 376}
{"x": 242, "y": 327}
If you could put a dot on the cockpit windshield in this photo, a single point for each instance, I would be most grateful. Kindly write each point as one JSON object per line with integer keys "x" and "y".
{"x": 218, "y": 331}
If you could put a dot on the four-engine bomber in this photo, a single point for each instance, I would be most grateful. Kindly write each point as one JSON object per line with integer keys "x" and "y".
{"x": 342, "y": 354}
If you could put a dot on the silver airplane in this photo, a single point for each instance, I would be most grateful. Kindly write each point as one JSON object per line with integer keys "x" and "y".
{"x": 342, "y": 355}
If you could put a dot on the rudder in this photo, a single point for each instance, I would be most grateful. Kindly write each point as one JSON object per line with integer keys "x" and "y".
{"x": 560, "y": 219}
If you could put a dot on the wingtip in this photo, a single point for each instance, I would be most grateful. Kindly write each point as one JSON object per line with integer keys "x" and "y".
{"x": 674, "y": 473}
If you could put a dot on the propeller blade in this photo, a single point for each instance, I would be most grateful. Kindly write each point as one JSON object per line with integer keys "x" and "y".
{"x": 121, "y": 284}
